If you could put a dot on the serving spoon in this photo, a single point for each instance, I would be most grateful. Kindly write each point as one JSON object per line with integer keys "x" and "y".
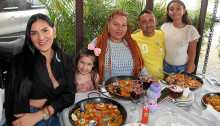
{"x": 170, "y": 74}
{"x": 114, "y": 84}
{"x": 166, "y": 73}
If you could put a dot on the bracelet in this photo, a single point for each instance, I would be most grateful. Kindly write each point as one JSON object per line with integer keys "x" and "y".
{"x": 48, "y": 110}
{"x": 45, "y": 115}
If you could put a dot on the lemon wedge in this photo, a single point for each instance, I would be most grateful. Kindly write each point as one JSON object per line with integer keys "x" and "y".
{"x": 182, "y": 98}
{"x": 74, "y": 118}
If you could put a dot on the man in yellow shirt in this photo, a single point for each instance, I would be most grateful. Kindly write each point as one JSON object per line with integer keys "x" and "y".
{"x": 151, "y": 43}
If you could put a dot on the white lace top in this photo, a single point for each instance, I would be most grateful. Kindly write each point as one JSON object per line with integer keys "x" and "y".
{"x": 121, "y": 60}
{"x": 177, "y": 42}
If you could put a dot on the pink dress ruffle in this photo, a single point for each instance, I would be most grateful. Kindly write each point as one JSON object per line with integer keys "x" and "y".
{"x": 87, "y": 86}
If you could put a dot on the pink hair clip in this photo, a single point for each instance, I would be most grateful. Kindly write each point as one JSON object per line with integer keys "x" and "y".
{"x": 97, "y": 51}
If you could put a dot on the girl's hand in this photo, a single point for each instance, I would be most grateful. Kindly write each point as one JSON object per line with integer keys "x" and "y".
{"x": 27, "y": 119}
{"x": 192, "y": 55}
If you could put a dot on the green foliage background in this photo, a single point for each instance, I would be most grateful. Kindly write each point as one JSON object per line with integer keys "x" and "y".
{"x": 96, "y": 12}
{"x": 62, "y": 13}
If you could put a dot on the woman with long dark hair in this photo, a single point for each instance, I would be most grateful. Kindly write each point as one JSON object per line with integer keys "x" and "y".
{"x": 41, "y": 78}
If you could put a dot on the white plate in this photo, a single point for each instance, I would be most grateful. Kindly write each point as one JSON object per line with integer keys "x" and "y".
{"x": 189, "y": 98}
{"x": 171, "y": 121}
{"x": 183, "y": 104}
{"x": 135, "y": 124}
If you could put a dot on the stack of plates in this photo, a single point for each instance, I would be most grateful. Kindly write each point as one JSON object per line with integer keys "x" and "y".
{"x": 185, "y": 101}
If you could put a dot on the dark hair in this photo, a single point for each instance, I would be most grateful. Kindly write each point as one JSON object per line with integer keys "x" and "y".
{"x": 28, "y": 44}
{"x": 86, "y": 52}
{"x": 145, "y": 11}
{"x": 23, "y": 70}
{"x": 185, "y": 18}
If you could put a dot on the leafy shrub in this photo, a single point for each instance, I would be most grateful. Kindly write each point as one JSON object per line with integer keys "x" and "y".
{"x": 160, "y": 12}
{"x": 62, "y": 13}
{"x": 96, "y": 12}
{"x": 194, "y": 17}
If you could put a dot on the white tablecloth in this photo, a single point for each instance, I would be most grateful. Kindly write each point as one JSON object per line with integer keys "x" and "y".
{"x": 190, "y": 113}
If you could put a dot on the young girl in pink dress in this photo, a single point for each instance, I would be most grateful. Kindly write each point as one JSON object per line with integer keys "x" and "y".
{"x": 86, "y": 69}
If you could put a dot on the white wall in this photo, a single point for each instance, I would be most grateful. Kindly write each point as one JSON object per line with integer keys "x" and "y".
{"x": 211, "y": 7}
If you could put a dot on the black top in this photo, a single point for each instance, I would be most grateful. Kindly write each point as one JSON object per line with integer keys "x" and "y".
{"x": 42, "y": 88}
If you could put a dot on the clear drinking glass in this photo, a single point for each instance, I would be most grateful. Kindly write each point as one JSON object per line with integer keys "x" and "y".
{"x": 136, "y": 91}
{"x": 175, "y": 89}
{"x": 146, "y": 79}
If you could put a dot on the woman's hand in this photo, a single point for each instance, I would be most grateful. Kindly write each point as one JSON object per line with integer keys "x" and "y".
{"x": 28, "y": 119}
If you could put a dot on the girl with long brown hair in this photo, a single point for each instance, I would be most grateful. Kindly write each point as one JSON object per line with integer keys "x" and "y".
{"x": 120, "y": 53}
{"x": 180, "y": 39}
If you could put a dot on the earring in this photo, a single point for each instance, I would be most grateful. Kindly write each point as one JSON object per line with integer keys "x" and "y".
{"x": 55, "y": 37}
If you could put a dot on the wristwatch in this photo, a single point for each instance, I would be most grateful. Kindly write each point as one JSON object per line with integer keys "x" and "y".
{"x": 45, "y": 114}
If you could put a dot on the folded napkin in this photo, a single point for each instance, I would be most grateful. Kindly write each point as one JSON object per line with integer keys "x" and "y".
{"x": 211, "y": 114}
{"x": 185, "y": 96}
{"x": 104, "y": 91}
{"x": 186, "y": 92}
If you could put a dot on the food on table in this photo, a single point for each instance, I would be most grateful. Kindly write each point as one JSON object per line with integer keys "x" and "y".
{"x": 73, "y": 116}
{"x": 99, "y": 112}
{"x": 184, "y": 98}
{"x": 190, "y": 81}
{"x": 214, "y": 101}
{"x": 134, "y": 124}
{"x": 120, "y": 88}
